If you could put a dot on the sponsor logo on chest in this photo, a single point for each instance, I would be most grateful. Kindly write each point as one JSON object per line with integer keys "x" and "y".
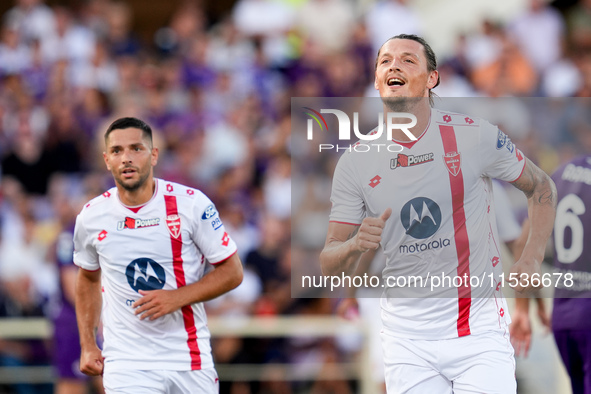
{"x": 410, "y": 160}
{"x": 132, "y": 223}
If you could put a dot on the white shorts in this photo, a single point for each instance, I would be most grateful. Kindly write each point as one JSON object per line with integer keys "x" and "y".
{"x": 482, "y": 363}
{"x": 160, "y": 382}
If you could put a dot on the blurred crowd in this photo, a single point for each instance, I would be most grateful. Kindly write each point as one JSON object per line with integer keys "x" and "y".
{"x": 217, "y": 93}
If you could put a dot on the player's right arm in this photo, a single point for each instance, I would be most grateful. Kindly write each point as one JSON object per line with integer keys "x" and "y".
{"x": 88, "y": 298}
{"x": 88, "y": 312}
{"x": 345, "y": 243}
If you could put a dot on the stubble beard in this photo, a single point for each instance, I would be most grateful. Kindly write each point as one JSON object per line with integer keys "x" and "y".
{"x": 131, "y": 187}
{"x": 401, "y": 104}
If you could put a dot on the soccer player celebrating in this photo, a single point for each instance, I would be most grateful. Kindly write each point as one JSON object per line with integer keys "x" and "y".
{"x": 436, "y": 218}
{"x": 141, "y": 248}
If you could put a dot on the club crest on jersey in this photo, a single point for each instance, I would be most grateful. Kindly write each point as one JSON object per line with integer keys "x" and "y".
{"x": 452, "y": 162}
{"x": 173, "y": 222}
{"x": 132, "y": 223}
{"x": 410, "y": 160}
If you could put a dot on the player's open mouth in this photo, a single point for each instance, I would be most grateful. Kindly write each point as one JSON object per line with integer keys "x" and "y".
{"x": 128, "y": 172}
{"x": 395, "y": 82}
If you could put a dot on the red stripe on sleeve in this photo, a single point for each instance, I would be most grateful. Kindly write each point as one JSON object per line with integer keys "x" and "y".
{"x": 448, "y": 137}
{"x": 179, "y": 273}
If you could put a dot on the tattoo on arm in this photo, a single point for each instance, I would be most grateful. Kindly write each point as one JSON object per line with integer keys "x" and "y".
{"x": 353, "y": 233}
{"x": 537, "y": 184}
{"x": 547, "y": 197}
{"x": 526, "y": 182}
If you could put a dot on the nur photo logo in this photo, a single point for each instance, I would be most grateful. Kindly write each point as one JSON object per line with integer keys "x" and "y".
{"x": 392, "y": 121}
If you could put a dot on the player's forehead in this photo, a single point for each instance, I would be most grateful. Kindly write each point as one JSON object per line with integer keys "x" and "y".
{"x": 125, "y": 137}
{"x": 401, "y": 46}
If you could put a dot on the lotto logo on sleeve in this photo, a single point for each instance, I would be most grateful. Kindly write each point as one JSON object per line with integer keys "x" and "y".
{"x": 225, "y": 239}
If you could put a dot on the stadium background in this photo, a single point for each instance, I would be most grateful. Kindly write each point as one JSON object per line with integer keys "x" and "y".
{"x": 215, "y": 79}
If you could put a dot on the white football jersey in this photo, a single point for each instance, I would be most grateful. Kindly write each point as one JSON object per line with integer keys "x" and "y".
{"x": 162, "y": 245}
{"x": 442, "y": 224}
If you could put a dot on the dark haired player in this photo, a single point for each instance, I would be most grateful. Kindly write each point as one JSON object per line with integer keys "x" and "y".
{"x": 436, "y": 218}
{"x": 141, "y": 248}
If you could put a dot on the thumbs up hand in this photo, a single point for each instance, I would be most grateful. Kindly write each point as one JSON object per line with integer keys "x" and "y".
{"x": 369, "y": 235}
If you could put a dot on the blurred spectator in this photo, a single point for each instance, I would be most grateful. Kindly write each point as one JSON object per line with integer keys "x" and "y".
{"x": 66, "y": 342}
{"x": 28, "y": 163}
{"x": 69, "y": 41}
{"x": 388, "y": 18}
{"x": 326, "y": 22}
{"x": 510, "y": 74}
{"x": 15, "y": 57}
{"x": 264, "y": 261}
{"x": 269, "y": 21}
{"x": 578, "y": 21}
{"x": 277, "y": 188}
{"x": 539, "y": 33}
{"x": 482, "y": 48}
{"x": 32, "y": 19}
{"x": 27, "y": 284}
{"x": 98, "y": 73}
{"x": 120, "y": 40}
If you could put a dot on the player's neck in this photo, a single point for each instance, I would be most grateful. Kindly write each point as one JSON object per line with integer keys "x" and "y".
{"x": 133, "y": 198}
{"x": 422, "y": 110}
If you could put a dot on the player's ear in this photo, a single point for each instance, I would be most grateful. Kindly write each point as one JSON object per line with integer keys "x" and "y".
{"x": 106, "y": 161}
{"x": 154, "y": 158}
{"x": 433, "y": 79}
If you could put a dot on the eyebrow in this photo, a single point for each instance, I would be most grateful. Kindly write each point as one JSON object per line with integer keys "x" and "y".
{"x": 134, "y": 145}
{"x": 402, "y": 54}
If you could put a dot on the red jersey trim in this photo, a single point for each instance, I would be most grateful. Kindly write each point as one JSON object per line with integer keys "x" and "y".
{"x": 448, "y": 137}
{"x": 352, "y": 224}
{"x": 409, "y": 144}
{"x": 523, "y": 169}
{"x": 224, "y": 260}
{"x": 137, "y": 208}
{"x": 179, "y": 273}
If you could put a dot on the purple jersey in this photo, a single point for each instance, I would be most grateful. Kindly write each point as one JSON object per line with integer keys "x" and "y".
{"x": 66, "y": 341}
{"x": 572, "y": 245}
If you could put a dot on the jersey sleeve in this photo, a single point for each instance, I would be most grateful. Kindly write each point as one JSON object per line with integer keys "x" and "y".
{"x": 85, "y": 255}
{"x": 500, "y": 158}
{"x": 209, "y": 233}
{"x": 346, "y": 197}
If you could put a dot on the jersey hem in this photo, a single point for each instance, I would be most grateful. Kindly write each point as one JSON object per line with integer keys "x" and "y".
{"x": 522, "y": 170}
{"x": 337, "y": 221}
{"x": 224, "y": 260}
{"x": 86, "y": 269}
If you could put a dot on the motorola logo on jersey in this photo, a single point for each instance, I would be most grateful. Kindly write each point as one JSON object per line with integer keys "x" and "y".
{"x": 421, "y": 217}
{"x": 145, "y": 274}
